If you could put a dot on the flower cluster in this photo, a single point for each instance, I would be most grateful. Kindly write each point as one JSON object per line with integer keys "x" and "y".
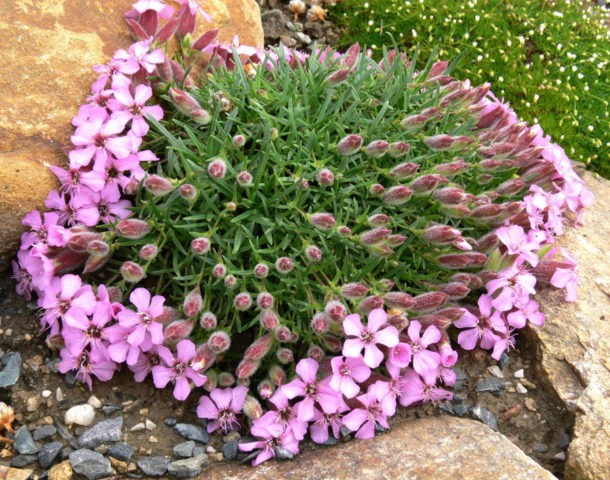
{"x": 229, "y": 233}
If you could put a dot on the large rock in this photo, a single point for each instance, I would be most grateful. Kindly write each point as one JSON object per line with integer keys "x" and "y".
{"x": 45, "y": 73}
{"x": 574, "y": 345}
{"x": 443, "y": 448}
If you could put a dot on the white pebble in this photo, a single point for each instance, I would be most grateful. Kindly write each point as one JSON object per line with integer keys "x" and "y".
{"x": 46, "y": 393}
{"x": 519, "y": 373}
{"x": 561, "y": 456}
{"x": 138, "y": 427}
{"x": 80, "y": 414}
{"x": 495, "y": 371}
{"x": 210, "y": 449}
{"x": 94, "y": 402}
{"x": 59, "y": 395}
{"x": 521, "y": 388}
{"x": 150, "y": 425}
{"x": 153, "y": 439}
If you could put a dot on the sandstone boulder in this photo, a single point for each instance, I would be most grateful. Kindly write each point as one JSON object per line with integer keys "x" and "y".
{"x": 45, "y": 73}
{"x": 442, "y": 448}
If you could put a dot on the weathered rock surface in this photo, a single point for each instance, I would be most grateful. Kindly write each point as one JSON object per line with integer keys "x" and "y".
{"x": 45, "y": 73}
{"x": 443, "y": 448}
{"x": 574, "y": 345}
{"x": 8, "y": 473}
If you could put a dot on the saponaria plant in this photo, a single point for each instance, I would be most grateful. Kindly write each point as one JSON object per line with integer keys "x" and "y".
{"x": 229, "y": 216}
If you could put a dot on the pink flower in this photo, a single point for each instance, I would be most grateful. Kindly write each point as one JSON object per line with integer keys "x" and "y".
{"x": 515, "y": 285}
{"x": 50, "y": 232}
{"x": 67, "y": 298}
{"x": 518, "y": 243}
{"x": 223, "y": 408}
{"x": 271, "y": 434}
{"x": 425, "y": 362}
{"x": 368, "y": 337}
{"x": 346, "y": 372}
{"x": 120, "y": 350}
{"x": 414, "y": 390}
{"x": 76, "y": 177}
{"x": 481, "y": 327}
{"x": 524, "y": 312}
{"x": 141, "y": 52}
{"x": 178, "y": 369}
{"x": 86, "y": 364}
{"x": 145, "y": 328}
{"x": 566, "y": 278}
{"x": 399, "y": 357}
{"x": 322, "y": 421}
{"x": 89, "y": 332}
{"x": 145, "y": 361}
{"x": 127, "y": 107}
{"x": 286, "y": 415}
{"x": 377, "y": 406}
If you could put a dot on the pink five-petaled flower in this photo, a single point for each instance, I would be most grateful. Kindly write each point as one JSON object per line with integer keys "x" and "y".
{"x": 425, "y": 362}
{"x": 413, "y": 389}
{"x": 567, "y": 278}
{"x": 519, "y": 243}
{"x": 146, "y": 331}
{"x": 308, "y": 386}
{"x": 527, "y": 311}
{"x": 515, "y": 284}
{"x": 223, "y": 407}
{"x": 346, "y": 372}
{"x": 48, "y": 232}
{"x": 126, "y": 107}
{"x": 368, "y": 337}
{"x": 318, "y": 428}
{"x": 377, "y": 406}
{"x": 271, "y": 434}
{"x": 86, "y": 364}
{"x": 178, "y": 369}
{"x": 83, "y": 332}
{"x": 399, "y": 357}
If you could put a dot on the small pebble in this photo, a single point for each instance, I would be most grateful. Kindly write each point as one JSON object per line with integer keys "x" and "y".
{"x": 138, "y": 427}
{"x": 150, "y": 425}
{"x": 561, "y": 456}
{"x": 170, "y": 421}
{"x": 48, "y": 420}
{"x": 43, "y": 432}
{"x": 495, "y": 371}
{"x": 21, "y": 461}
{"x": 94, "y": 402}
{"x": 528, "y": 384}
{"x": 24, "y": 443}
{"x": 210, "y": 449}
{"x": 540, "y": 447}
{"x": 198, "y": 451}
{"x": 229, "y": 450}
{"x": 216, "y": 457}
{"x": 33, "y": 404}
{"x": 154, "y": 466}
{"x": 563, "y": 440}
{"x": 143, "y": 411}
{"x": 231, "y": 436}
{"x": 530, "y": 404}
{"x": 153, "y": 439}
{"x": 520, "y": 388}
{"x": 121, "y": 451}
{"x": 485, "y": 416}
{"x": 192, "y": 432}
{"x": 80, "y": 415}
{"x": 46, "y": 393}
{"x": 184, "y": 449}
{"x": 503, "y": 360}
{"x": 27, "y": 337}
{"x": 519, "y": 373}
{"x": 491, "y": 384}
{"x": 512, "y": 411}
{"x": 59, "y": 395}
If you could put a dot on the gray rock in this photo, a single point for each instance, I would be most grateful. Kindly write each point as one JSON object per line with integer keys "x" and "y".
{"x": 184, "y": 449}
{"x": 461, "y": 378}
{"x": 170, "y": 421}
{"x": 121, "y": 451}
{"x": 563, "y": 440}
{"x": 110, "y": 409}
{"x": 491, "y": 384}
{"x": 192, "y": 432}
{"x": 198, "y": 451}
{"x": 302, "y": 37}
{"x": 43, "y": 432}
{"x": 154, "y": 466}
{"x": 282, "y": 453}
{"x": 65, "y": 453}
{"x": 24, "y": 443}
{"x": 485, "y": 416}
{"x": 460, "y": 410}
{"x": 189, "y": 467}
{"x": 21, "y": 461}
{"x": 540, "y": 447}
{"x": 48, "y": 453}
{"x": 229, "y": 450}
{"x": 66, "y": 435}
{"x": 503, "y": 360}
{"x": 102, "y": 432}
{"x": 12, "y": 369}
{"x": 91, "y": 464}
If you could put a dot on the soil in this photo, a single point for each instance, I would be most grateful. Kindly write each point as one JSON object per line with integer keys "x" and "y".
{"x": 535, "y": 420}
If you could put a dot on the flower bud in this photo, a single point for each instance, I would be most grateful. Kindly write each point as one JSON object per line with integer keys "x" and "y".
{"x": 269, "y": 320}
{"x": 230, "y": 281}
{"x": 252, "y": 408}
{"x": 315, "y": 352}
{"x": 320, "y": 323}
{"x": 337, "y": 77}
{"x": 426, "y": 183}
{"x": 169, "y": 314}
{"x": 370, "y": 303}
{"x": 259, "y": 348}
{"x": 452, "y": 168}
{"x": 188, "y": 192}
{"x": 450, "y": 195}
{"x": 98, "y": 248}
{"x": 462, "y": 260}
{"x": 231, "y": 206}
{"x": 246, "y": 368}
{"x": 441, "y": 234}
{"x": 217, "y": 168}
{"x": 219, "y": 341}
{"x": 192, "y": 303}
{"x": 400, "y": 321}
{"x": 545, "y": 269}
{"x": 208, "y": 321}
{"x": 399, "y": 149}
{"x": 183, "y": 102}
{"x": 397, "y": 195}
{"x": 284, "y": 265}
{"x": 225, "y": 379}
{"x": 344, "y": 231}
{"x": 265, "y": 389}
{"x": 377, "y": 148}
{"x": 313, "y": 253}
{"x": 468, "y": 279}
{"x": 398, "y": 300}
{"x": 374, "y": 236}
{"x": 93, "y": 263}
{"x": 277, "y": 375}
{"x": 285, "y": 355}
{"x": 376, "y": 189}
{"x": 456, "y": 211}
{"x": 211, "y": 381}
{"x": 428, "y": 301}
{"x": 219, "y": 270}
{"x": 336, "y": 310}
{"x": 204, "y": 358}
{"x": 403, "y": 170}
{"x": 510, "y": 187}
{"x": 325, "y": 177}
{"x": 200, "y": 245}
{"x": 157, "y": 185}
{"x": 274, "y": 133}
{"x": 148, "y": 251}
{"x": 264, "y": 300}
{"x": 354, "y": 290}
{"x": 261, "y": 270}
{"x": 396, "y": 240}
{"x": 239, "y": 140}
{"x": 385, "y": 284}
{"x": 178, "y": 330}
{"x": 244, "y": 179}
{"x": 446, "y": 142}
{"x": 201, "y": 116}
{"x": 282, "y": 333}
{"x": 116, "y": 296}
{"x": 455, "y": 290}
{"x": 132, "y": 272}
{"x": 488, "y": 211}
{"x": 488, "y": 242}
{"x": 242, "y": 301}
{"x": 322, "y": 220}
{"x": 349, "y": 144}
{"x": 484, "y": 178}
{"x": 132, "y": 228}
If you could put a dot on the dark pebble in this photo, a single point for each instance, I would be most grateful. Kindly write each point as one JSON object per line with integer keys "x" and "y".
{"x": 229, "y": 450}
{"x": 563, "y": 440}
{"x": 503, "y": 360}
{"x": 154, "y": 466}
{"x": 492, "y": 385}
{"x": 170, "y": 421}
{"x": 282, "y": 453}
{"x": 460, "y": 410}
{"x": 106, "y": 431}
{"x": 12, "y": 369}
{"x": 23, "y": 441}
{"x": 192, "y": 432}
{"x": 110, "y": 409}
{"x": 540, "y": 447}
{"x": 65, "y": 452}
{"x": 43, "y": 432}
{"x": 91, "y": 464}
{"x": 189, "y": 467}
{"x": 21, "y": 461}
{"x": 461, "y": 378}
{"x": 458, "y": 400}
{"x": 70, "y": 378}
{"x": 485, "y": 416}
{"x": 121, "y": 451}
{"x": 66, "y": 435}
{"x": 48, "y": 453}
{"x": 447, "y": 407}
{"x": 133, "y": 475}
{"x": 330, "y": 441}
{"x": 184, "y": 449}
{"x": 198, "y": 451}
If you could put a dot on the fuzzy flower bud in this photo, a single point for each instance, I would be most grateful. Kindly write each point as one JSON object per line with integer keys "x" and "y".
{"x": 259, "y": 348}
{"x": 225, "y": 379}
{"x": 397, "y": 195}
{"x": 244, "y": 179}
{"x": 242, "y": 301}
{"x": 441, "y": 234}
{"x": 428, "y": 301}
{"x": 313, "y": 253}
{"x": 200, "y": 245}
{"x": 322, "y": 220}
{"x": 462, "y": 260}
{"x": 445, "y": 142}
{"x": 265, "y": 389}
{"x": 325, "y": 177}
{"x": 510, "y": 187}
{"x": 403, "y": 170}
{"x": 98, "y": 248}
{"x": 230, "y": 281}
{"x": 132, "y": 272}
{"x": 204, "y": 358}
{"x": 285, "y": 355}
{"x": 261, "y": 270}
{"x": 231, "y": 206}
{"x": 374, "y": 236}
{"x": 450, "y": 195}
{"x": 488, "y": 242}
{"x": 379, "y": 219}
{"x": 337, "y": 77}
{"x": 269, "y": 320}
{"x": 264, "y": 300}
{"x": 468, "y": 279}
{"x": 316, "y": 353}
{"x": 282, "y": 334}
{"x": 354, "y": 290}
{"x": 211, "y": 381}
{"x": 427, "y": 183}
{"x": 377, "y": 148}
{"x": 370, "y": 303}
{"x": 157, "y": 185}
{"x": 183, "y": 101}
{"x": 252, "y": 408}
{"x": 396, "y": 240}
{"x": 217, "y": 168}
{"x": 188, "y": 192}
{"x": 219, "y": 270}
{"x": 336, "y": 310}
{"x": 148, "y": 252}
{"x": 344, "y": 231}
{"x": 239, "y": 140}
{"x": 452, "y": 168}
{"x": 132, "y": 228}
{"x": 201, "y": 116}
{"x": 219, "y": 341}
{"x": 178, "y": 330}
{"x": 455, "y": 290}
{"x": 246, "y": 369}
{"x": 208, "y": 321}
{"x": 399, "y": 149}
{"x": 284, "y": 265}
{"x": 349, "y": 144}
{"x": 376, "y": 189}
{"x": 398, "y": 300}
{"x": 320, "y": 323}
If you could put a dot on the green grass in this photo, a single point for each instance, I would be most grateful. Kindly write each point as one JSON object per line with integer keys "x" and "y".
{"x": 549, "y": 59}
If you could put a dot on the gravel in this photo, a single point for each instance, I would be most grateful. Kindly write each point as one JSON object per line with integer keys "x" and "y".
{"x": 43, "y": 432}
{"x": 184, "y": 449}
{"x": 192, "y": 432}
{"x": 105, "y": 431}
{"x": 21, "y": 461}
{"x": 154, "y": 466}
{"x": 91, "y": 464}
{"x": 12, "y": 369}
{"x": 24, "y": 443}
{"x": 492, "y": 385}
{"x": 485, "y": 416}
{"x": 229, "y": 450}
{"x": 48, "y": 453}
{"x": 121, "y": 451}
{"x": 189, "y": 467}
